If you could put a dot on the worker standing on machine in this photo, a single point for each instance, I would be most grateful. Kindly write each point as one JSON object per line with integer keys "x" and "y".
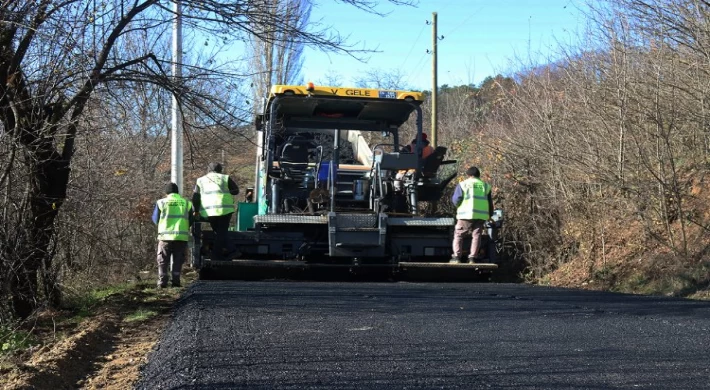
{"x": 173, "y": 215}
{"x": 427, "y": 150}
{"x": 213, "y": 199}
{"x": 474, "y": 203}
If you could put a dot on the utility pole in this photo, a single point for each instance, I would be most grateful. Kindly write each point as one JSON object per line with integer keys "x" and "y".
{"x": 434, "y": 81}
{"x": 176, "y": 122}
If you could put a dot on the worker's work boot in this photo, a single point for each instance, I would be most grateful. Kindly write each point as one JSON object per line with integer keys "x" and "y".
{"x": 162, "y": 280}
{"x": 475, "y": 259}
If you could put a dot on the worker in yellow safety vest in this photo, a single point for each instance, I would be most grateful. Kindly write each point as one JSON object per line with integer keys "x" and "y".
{"x": 173, "y": 215}
{"x": 474, "y": 206}
{"x": 213, "y": 198}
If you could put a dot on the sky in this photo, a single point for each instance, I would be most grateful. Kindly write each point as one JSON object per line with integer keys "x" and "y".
{"x": 480, "y": 38}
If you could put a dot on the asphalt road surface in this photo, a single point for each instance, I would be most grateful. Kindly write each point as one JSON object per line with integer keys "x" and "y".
{"x": 329, "y": 335}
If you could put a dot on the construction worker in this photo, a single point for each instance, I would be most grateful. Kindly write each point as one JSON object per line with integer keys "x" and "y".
{"x": 474, "y": 203}
{"x": 213, "y": 199}
{"x": 427, "y": 150}
{"x": 173, "y": 215}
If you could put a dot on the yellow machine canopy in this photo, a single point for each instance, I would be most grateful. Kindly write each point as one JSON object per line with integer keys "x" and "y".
{"x": 319, "y": 107}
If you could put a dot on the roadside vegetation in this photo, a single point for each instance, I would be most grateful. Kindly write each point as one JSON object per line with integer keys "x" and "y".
{"x": 600, "y": 158}
{"x": 97, "y": 339}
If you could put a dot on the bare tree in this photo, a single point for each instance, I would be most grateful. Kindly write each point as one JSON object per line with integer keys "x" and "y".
{"x": 383, "y": 79}
{"x": 56, "y": 55}
{"x": 277, "y": 56}
{"x": 615, "y": 130}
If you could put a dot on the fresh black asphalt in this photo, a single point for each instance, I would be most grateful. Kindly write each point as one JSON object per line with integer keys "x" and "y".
{"x": 336, "y": 335}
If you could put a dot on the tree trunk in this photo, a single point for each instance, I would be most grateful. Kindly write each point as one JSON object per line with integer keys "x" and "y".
{"x": 50, "y": 177}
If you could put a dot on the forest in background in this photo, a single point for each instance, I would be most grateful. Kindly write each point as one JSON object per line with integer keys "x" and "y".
{"x": 598, "y": 159}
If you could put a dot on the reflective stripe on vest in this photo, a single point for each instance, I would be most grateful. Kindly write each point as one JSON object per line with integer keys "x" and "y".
{"x": 475, "y": 199}
{"x": 174, "y": 222}
{"x": 215, "y": 198}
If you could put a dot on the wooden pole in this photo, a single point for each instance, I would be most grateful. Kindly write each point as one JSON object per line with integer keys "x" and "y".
{"x": 434, "y": 83}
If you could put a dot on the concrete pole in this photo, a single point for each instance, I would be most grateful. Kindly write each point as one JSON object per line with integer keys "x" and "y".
{"x": 434, "y": 82}
{"x": 176, "y": 122}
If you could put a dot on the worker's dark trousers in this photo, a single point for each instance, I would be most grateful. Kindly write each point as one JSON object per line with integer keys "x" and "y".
{"x": 220, "y": 227}
{"x": 166, "y": 250}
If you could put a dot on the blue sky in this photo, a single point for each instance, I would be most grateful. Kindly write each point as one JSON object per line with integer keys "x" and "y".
{"x": 481, "y": 38}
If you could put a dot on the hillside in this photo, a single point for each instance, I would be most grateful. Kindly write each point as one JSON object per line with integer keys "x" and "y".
{"x": 620, "y": 253}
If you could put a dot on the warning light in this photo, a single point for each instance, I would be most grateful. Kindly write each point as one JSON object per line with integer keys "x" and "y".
{"x": 310, "y": 87}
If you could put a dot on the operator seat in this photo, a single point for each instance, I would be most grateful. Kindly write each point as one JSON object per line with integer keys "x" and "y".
{"x": 295, "y": 156}
{"x": 433, "y": 161}
{"x": 429, "y": 186}
{"x": 293, "y": 160}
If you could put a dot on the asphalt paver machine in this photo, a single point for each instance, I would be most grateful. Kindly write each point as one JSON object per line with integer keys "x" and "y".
{"x": 324, "y": 198}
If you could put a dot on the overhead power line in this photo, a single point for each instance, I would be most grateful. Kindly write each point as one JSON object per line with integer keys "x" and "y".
{"x": 416, "y": 40}
{"x": 465, "y": 20}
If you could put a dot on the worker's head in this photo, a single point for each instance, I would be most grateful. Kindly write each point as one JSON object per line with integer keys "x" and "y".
{"x": 424, "y": 139}
{"x": 214, "y": 167}
{"x": 473, "y": 172}
{"x": 171, "y": 188}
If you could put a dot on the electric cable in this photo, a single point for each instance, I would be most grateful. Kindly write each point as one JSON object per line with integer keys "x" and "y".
{"x": 418, "y": 67}
{"x": 416, "y": 40}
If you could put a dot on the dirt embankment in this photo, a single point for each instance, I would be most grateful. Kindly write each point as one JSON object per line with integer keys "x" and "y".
{"x": 103, "y": 351}
{"x": 621, "y": 252}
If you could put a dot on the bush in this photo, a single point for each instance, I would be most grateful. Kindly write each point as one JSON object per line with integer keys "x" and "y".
{"x": 13, "y": 340}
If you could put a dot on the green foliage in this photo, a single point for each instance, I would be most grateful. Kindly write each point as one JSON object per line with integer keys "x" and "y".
{"x": 639, "y": 284}
{"x": 603, "y": 274}
{"x": 141, "y": 314}
{"x": 13, "y": 340}
{"x": 108, "y": 291}
{"x": 84, "y": 304}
